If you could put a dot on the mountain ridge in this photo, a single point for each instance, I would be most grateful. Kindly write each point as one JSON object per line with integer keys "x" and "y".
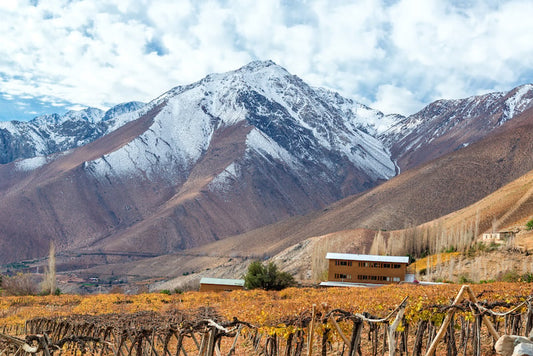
{"x": 233, "y": 153}
{"x": 173, "y": 183}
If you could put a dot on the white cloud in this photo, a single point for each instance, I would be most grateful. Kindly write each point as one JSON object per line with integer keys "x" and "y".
{"x": 102, "y": 52}
{"x": 392, "y": 99}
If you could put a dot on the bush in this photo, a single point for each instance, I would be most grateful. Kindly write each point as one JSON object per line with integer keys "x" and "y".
{"x": 463, "y": 279}
{"x": 267, "y": 277}
{"x": 508, "y": 276}
{"x": 20, "y": 284}
{"x": 529, "y": 224}
{"x": 527, "y": 277}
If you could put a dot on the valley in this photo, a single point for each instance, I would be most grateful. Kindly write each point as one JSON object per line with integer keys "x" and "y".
{"x": 256, "y": 164}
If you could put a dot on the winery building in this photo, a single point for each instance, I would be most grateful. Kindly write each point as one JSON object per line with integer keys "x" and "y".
{"x": 220, "y": 284}
{"x": 373, "y": 269}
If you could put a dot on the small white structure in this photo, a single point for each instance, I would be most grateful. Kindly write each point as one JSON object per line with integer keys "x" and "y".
{"x": 497, "y": 237}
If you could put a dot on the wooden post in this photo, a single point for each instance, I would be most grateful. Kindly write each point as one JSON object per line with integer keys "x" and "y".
{"x": 486, "y": 320}
{"x": 211, "y": 343}
{"x": 311, "y": 332}
{"x": 339, "y": 330}
{"x": 356, "y": 337}
{"x": 449, "y": 314}
{"x": 392, "y": 331}
{"x": 202, "y": 345}
{"x": 445, "y": 322}
{"x": 232, "y": 349}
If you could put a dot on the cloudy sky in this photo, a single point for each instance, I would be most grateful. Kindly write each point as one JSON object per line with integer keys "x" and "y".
{"x": 395, "y": 56}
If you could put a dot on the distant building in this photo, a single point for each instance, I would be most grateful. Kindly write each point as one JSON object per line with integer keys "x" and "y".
{"x": 352, "y": 268}
{"x": 220, "y": 284}
{"x": 497, "y": 237}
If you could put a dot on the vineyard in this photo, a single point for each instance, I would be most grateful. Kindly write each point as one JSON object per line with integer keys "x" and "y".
{"x": 400, "y": 320}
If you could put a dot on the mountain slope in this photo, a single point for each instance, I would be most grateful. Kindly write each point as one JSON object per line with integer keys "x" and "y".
{"x": 489, "y": 181}
{"x": 49, "y": 134}
{"x": 216, "y": 158}
{"x": 448, "y": 125}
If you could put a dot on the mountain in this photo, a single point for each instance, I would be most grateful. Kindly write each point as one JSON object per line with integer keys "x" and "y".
{"x": 230, "y": 153}
{"x": 49, "y": 134}
{"x": 247, "y": 163}
{"x": 448, "y": 125}
{"x": 488, "y": 184}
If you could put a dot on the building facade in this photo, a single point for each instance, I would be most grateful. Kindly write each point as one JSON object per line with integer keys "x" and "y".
{"x": 353, "y": 268}
{"x": 220, "y": 284}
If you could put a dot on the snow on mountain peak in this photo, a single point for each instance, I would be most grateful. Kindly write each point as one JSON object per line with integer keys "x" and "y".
{"x": 296, "y": 123}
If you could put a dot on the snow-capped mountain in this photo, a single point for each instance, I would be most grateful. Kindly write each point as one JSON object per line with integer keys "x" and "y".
{"x": 447, "y": 125}
{"x": 290, "y": 123}
{"x": 48, "y": 134}
{"x": 362, "y": 117}
{"x": 218, "y": 157}
{"x": 230, "y": 153}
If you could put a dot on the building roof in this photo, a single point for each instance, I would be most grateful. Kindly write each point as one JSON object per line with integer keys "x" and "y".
{"x": 367, "y": 258}
{"x": 348, "y": 284}
{"x": 222, "y": 281}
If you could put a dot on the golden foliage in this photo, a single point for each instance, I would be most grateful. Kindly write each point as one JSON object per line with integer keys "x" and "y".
{"x": 270, "y": 310}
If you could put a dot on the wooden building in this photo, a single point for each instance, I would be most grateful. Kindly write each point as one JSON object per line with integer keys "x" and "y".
{"x": 352, "y": 268}
{"x": 220, "y": 284}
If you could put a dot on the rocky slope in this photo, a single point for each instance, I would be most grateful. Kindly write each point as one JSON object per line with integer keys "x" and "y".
{"x": 230, "y": 153}
{"x": 448, "y": 125}
{"x": 49, "y": 134}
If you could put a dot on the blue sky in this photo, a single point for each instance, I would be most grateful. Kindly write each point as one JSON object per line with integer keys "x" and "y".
{"x": 395, "y": 56}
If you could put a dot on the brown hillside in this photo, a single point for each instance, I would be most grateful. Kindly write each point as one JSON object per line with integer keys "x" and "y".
{"x": 440, "y": 188}
{"x": 57, "y": 201}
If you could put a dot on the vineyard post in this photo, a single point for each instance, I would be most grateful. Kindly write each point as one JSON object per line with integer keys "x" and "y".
{"x": 311, "y": 331}
{"x": 202, "y": 345}
{"x": 356, "y": 336}
{"x": 486, "y": 320}
{"x": 393, "y": 327}
{"x": 339, "y": 330}
{"x": 211, "y": 343}
{"x": 327, "y": 330}
{"x": 445, "y": 322}
{"x": 440, "y": 334}
{"x": 232, "y": 349}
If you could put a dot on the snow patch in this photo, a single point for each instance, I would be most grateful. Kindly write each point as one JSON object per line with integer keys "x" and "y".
{"x": 30, "y": 164}
{"x": 517, "y": 103}
{"x": 222, "y": 182}
{"x": 269, "y": 149}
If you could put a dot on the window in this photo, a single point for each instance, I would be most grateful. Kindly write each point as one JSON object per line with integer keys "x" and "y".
{"x": 386, "y": 265}
{"x": 341, "y": 276}
{"x": 397, "y": 265}
{"x": 395, "y": 279}
{"x": 343, "y": 263}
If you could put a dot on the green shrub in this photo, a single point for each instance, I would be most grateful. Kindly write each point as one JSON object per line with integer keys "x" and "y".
{"x": 527, "y": 277}
{"x": 509, "y": 276}
{"x": 464, "y": 279}
{"x": 529, "y": 224}
{"x": 165, "y": 291}
{"x": 267, "y": 277}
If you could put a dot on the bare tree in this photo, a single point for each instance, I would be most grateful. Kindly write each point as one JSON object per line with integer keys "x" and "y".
{"x": 20, "y": 284}
{"x": 49, "y": 284}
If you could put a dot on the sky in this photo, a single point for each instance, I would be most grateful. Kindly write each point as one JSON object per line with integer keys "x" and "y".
{"x": 393, "y": 55}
